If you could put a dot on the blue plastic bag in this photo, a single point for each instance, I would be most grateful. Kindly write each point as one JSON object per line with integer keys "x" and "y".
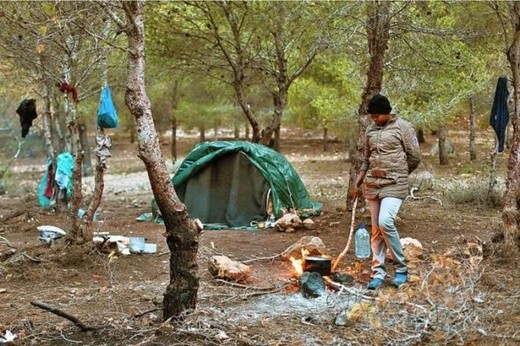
{"x": 107, "y": 115}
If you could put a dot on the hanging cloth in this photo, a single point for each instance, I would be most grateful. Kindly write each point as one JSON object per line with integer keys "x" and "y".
{"x": 499, "y": 112}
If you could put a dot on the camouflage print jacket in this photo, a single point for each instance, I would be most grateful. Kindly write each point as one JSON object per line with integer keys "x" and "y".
{"x": 391, "y": 153}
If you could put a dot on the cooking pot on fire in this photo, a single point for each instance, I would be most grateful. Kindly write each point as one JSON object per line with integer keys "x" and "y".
{"x": 318, "y": 264}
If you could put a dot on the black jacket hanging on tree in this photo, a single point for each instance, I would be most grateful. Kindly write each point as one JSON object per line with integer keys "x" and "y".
{"x": 500, "y": 113}
{"x": 27, "y": 112}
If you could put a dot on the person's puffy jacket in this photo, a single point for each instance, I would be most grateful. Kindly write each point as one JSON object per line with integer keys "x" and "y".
{"x": 392, "y": 152}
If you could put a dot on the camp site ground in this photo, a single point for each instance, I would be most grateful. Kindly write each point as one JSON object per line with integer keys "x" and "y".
{"x": 472, "y": 289}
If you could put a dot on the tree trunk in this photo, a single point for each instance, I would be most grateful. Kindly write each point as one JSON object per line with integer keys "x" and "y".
{"x": 443, "y": 155}
{"x": 472, "y": 130}
{"x": 237, "y": 131}
{"x": 175, "y": 105}
{"x": 102, "y": 150}
{"x": 46, "y": 116}
{"x": 181, "y": 234}
{"x": 202, "y": 133}
{"x": 173, "y": 148}
{"x": 420, "y": 136}
{"x": 378, "y": 35}
{"x": 247, "y": 132}
{"x": 83, "y": 138}
{"x": 325, "y": 139}
{"x": 510, "y": 213}
{"x": 277, "y": 145}
{"x": 215, "y": 131}
{"x": 76, "y": 234}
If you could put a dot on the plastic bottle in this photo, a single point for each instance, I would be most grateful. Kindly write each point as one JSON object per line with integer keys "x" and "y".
{"x": 362, "y": 242}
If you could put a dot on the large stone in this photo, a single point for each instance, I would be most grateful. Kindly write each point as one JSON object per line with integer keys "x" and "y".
{"x": 422, "y": 180}
{"x": 313, "y": 246}
{"x": 225, "y": 268}
{"x": 312, "y": 284}
{"x": 288, "y": 221}
{"x": 412, "y": 248}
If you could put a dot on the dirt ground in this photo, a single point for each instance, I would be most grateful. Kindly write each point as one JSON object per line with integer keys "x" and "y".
{"x": 464, "y": 289}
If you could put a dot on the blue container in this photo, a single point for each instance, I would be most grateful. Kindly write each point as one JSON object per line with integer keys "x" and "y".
{"x": 136, "y": 244}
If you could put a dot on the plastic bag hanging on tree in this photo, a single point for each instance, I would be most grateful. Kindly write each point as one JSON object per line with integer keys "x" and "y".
{"x": 362, "y": 242}
{"x": 107, "y": 115}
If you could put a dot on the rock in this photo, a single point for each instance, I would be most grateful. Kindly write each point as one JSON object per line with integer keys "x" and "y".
{"x": 341, "y": 319}
{"x": 288, "y": 220}
{"x": 312, "y": 284}
{"x": 342, "y": 278}
{"x": 450, "y": 149}
{"x": 412, "y": 248}
{"x": 313, "y": 245}
{"x": 423, "y": 180}
{"x": 308, "y": 224}
{"x": 225, "y": 268}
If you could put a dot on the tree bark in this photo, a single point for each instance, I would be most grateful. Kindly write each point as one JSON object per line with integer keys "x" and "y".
{"x": 236, "y": 133}
{"x": 443, "y": 155}
{"x": 420, "y": 136}
{"x": 173, "y": 147}
{"x": 182, "y": 235}
{"x": 246, "y": 132}
{"x": 378, "y": 35}
{"x": 325, "y": 139}
{"x": 175, "y": 105}
{"x": 202, "y": 133}
{"x": 510, "y": 213}
{"x": 472, "y": 130}
{"x": 46, "y": 116}
{"x": 83, "y": 138}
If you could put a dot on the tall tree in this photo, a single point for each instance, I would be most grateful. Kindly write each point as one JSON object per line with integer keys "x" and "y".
{"x": 510, "y": 213}
{"x": 246, "y": 43}
{"x": 378, "y": 21}
{"x": 181, "y": 233}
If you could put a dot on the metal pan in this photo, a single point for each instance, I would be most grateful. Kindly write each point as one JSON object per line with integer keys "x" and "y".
{"x": 318, "y": 264}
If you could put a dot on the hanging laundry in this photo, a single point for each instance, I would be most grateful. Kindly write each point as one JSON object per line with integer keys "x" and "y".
{"x": 27, "y": 112}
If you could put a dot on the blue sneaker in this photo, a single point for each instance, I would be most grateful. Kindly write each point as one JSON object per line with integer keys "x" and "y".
{"x": 400, "y": 279}
{"x": 375, "y": 283}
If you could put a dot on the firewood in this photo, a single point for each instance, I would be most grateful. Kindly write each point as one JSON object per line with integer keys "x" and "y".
{"x": 63, "y": 314}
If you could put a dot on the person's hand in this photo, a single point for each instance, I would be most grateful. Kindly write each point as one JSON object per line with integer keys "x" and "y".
{"x": 356, "y": 192}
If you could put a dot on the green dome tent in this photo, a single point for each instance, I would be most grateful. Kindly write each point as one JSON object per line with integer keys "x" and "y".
{"x": 231, "y": 183}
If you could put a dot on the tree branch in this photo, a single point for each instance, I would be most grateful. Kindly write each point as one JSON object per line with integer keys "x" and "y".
{"x": 77, "y": 322}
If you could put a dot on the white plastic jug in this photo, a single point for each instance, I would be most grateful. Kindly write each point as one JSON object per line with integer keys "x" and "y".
{"x": 362, "y": 242}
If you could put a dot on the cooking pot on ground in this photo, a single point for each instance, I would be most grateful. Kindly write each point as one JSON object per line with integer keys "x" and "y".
{"x": 318, "y": 264}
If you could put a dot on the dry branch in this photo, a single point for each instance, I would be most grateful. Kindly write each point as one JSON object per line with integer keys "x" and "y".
{"x": 76, "y": 321}
{"x": 5, "y": 241}
{"x": 234, "y": 284}
{"x": 343, "y": 253}
{"x": 146, "y": 312}
{"x": 270, "y": 258}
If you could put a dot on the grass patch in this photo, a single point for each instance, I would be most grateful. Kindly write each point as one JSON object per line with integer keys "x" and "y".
{"x": 474, "y": 192}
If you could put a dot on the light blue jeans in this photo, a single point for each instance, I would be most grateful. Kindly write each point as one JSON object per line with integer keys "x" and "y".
{"x": 385, "y": 236}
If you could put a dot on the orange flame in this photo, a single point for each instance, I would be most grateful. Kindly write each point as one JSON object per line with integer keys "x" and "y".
{"x": 298, "y": 263}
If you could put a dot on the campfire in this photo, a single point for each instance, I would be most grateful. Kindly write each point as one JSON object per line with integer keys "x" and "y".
{"x": 298, "y": 263}
{"x": 320, "y": 264}
{"x": 314, "y": 273}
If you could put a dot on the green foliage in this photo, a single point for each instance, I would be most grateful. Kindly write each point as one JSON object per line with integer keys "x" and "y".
{"x": 325, "y": 98}
{"x": 440, "y": 57}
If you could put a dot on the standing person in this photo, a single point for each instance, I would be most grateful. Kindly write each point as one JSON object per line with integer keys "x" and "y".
{"x": 391, "y": 153}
